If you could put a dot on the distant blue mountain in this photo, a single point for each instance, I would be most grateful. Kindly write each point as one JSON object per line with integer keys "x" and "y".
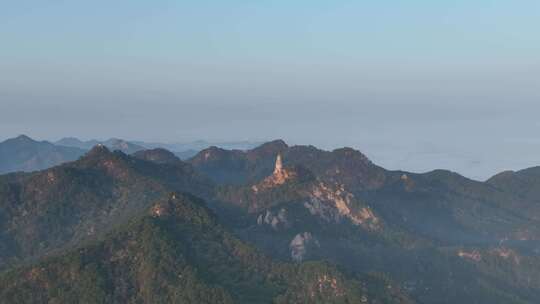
{"x": 112, "y": 143}
{"x": 198, "y": 145}
{"x": 22, "y": 153}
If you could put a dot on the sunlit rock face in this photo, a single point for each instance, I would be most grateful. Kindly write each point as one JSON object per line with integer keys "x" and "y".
{"x": 334, "y": 204}
{"x": 279, "y": 177}
{"x": 279, "y": 165}
{"x": 330, "y": 202}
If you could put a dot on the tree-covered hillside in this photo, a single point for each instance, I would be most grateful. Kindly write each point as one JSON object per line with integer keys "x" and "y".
{"x": 176, "y": 252}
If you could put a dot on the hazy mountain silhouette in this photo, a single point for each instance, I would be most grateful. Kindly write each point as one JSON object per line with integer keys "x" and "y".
{"x": 112, "y": 143}
{"x": 25, "y": 154}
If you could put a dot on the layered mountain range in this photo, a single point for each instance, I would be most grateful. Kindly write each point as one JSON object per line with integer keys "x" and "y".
{"x": 274, "y": 224}
{"x": 23, "y": 153}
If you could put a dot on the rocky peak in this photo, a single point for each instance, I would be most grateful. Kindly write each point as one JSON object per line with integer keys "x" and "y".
{"x": 283, "y": 174}
{"x": 98, "y": 150}
{"x": 279, "y": 165}
{"x": 114, "y": 163}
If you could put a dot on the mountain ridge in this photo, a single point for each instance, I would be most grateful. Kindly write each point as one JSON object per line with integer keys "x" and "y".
{"x": 437, "y": 237}
{"x": 25, "y": 154}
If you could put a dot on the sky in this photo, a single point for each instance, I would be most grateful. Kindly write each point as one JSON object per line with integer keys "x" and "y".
{"x": 414, "y": 84}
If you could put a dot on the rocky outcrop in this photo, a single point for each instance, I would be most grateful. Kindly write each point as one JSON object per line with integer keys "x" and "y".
{"x": 506, "y": 254}
{"x": 277, "y": 220}
{"x": 301, "y": 245}
{"x": 328, "y": 201}
{"x": 333, "y": 204}
{"x": 474, "y": 255}
{"x": 279, "y": 177}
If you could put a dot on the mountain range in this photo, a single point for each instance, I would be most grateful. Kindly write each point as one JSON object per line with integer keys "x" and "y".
{"x": 113, "y": 143}
{"x": 23, "y": 153}
{"x": 183, "y": 150}
{"x": 272, "y": 224}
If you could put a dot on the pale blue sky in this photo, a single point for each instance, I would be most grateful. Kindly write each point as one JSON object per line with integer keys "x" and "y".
{"x": 332, "y": 73}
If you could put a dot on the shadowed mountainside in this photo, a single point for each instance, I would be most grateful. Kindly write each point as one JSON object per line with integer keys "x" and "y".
{"x": 50, "y": 209}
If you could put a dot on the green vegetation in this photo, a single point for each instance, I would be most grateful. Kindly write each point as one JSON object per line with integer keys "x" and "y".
{"x": 174, "y": 253}
{"x": 113, "y": 228}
